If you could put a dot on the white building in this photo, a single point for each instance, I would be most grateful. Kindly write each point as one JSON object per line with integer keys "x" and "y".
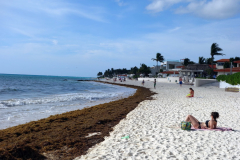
{"x": 173, "y": 64}
{"x": 166, "y": 66}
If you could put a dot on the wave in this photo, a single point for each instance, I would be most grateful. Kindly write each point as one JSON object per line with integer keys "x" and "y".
{"x": 3, "y": 106}
{"x": 65, "y": 98}
{"x": 6, "y": 90}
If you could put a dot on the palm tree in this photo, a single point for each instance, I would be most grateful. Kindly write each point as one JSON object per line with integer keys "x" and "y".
{"x": 187, "y": 61}
{"x": 159, "y": 58}
{"x": 214, "y": 51}
{"x": 201, "y": 60}
{"x": 208, "y": 60}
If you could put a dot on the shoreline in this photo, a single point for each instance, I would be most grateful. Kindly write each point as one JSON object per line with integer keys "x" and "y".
{"x": 58, "y": 103}
{"x": 67, "y": 135}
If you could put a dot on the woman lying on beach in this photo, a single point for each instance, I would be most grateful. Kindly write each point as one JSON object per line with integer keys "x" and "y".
{"x": 209, "y": 124}
{"x": 191, "y": 94}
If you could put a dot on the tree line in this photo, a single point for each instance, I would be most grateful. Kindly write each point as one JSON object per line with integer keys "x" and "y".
{"x": 144, "y": 69}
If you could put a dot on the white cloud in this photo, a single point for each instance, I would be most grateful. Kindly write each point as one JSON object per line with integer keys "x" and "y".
{"x": 93, "y": 15}
{"x": 210, "y": 9}
{"x": 160, "y": 5}
{"x": 54, "y": 8}
{"x": 214, "y": 9}
{"x": 120, "y": 2}
{"x": 55, "y": 42}
{"x": 22, "y": 32}
{"x": 175, "y": 29}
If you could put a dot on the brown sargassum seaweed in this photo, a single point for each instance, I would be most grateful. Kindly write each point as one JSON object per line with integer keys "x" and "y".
{"x": 65, "y": 136}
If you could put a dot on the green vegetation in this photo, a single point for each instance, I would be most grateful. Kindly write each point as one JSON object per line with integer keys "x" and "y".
{"x": 187, "y": 62}
{"x": 208, "y": 60}
{"x": 111, "y": 72}
{"x": 159, "y": 58}
{"x": 144, "y": 69}
{"x": 233, "y": 79}
{"x": 226, "y": 65}
{"x": 99, "y": 74}
{"x": 234, "y": 59}
{"x": 214, "y": 51}
{"x": 201, "y": 60}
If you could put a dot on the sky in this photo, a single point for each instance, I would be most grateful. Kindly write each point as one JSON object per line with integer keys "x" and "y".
{"x": 84, "y": 37}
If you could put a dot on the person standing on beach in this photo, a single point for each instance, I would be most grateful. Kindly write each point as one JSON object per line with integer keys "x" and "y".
{"x": 180, "y": 81}
{"x": 155, "y": 83}
{"x": 143, "y": 82}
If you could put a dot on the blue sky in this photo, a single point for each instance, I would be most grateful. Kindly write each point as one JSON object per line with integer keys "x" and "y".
{"x": 83, "y": 37}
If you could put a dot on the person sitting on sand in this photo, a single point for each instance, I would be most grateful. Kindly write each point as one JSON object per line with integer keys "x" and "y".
{"x": 209, "y": 124}
{"x": 191, "y": 94}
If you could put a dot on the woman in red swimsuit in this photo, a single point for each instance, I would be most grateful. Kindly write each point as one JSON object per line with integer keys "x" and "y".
{"x": 191, "y": 94}
{"x": 209, "y": 124}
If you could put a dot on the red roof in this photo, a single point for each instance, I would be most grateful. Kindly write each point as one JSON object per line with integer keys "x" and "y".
{"x": 180, "y": 66}
{"x": 237, "y": 61}
{"x": 235, "y": 69}
{"x": 214, "y": 66}
{"x": 223, "y": 60}
{"x": 170, "y": 72}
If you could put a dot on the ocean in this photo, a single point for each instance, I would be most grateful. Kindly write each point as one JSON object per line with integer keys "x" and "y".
{"x": 25, "y": 98}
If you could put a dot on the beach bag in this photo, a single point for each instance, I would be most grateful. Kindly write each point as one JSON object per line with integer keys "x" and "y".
{"x": 185, "y": 125}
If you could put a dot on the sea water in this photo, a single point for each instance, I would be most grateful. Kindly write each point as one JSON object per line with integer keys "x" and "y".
{"x": 25, "y": 98}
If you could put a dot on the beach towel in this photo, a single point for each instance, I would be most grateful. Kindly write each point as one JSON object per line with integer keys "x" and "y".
{"x": 217, "y": 129}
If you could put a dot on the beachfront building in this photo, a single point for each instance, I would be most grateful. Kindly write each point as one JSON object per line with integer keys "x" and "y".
{"x": 156, "y": 69}
{"x": 220, "y": 63}
{"x": 172, "y": 64}
{"x": 226, "y": 71}
{"x": 166, "y": 66}
{"x": 238, "y": 63}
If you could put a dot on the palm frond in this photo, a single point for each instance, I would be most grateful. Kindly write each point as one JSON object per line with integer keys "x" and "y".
{"x": 219, "y": 54}
{"x": 154, "y": 59}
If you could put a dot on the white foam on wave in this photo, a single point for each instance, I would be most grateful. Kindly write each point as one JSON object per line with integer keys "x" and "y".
{"x": 2, "y": 106}
{"x": 64, "y": 98}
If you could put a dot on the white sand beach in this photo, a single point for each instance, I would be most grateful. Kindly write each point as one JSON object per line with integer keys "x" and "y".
{"x": 153, "y": 127}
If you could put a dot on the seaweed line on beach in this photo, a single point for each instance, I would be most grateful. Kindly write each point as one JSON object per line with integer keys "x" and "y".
{"x": 68, "y": 135}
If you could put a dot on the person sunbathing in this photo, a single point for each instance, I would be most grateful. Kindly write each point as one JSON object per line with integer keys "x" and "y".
{"x": 191, "y": 94}
{"x": 209, "y": 124}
